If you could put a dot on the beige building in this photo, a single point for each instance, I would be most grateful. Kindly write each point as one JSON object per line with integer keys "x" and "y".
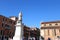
{"x": 50, "y": 30}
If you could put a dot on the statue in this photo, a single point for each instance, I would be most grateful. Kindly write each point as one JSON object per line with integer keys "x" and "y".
{"x": 19, "y": 28}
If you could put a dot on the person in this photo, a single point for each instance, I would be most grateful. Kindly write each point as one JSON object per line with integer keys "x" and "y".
{"x": 49, "y": 39}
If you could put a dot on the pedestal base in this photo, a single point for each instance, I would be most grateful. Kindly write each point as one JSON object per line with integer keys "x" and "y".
{"x": 10, "y": 39}
{"x": 17, "y": 38}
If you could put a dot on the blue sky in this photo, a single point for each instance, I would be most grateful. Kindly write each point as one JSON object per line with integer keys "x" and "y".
{"x": 34, "y": 11}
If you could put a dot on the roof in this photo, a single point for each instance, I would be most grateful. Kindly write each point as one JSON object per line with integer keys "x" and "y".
{"x": 13, "y": 16}
{"x": 54, "y": 27}
{"x": 58, "y": 21}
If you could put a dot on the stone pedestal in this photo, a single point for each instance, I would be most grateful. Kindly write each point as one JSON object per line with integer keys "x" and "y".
{"x": 10, "y": 39}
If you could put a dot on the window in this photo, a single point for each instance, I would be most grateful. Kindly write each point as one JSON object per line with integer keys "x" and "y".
{"x": 55, "y": 32}
{"x": 56, "y": 24}
{"x": 3, "y": 19}
{"x": 1, "y": 32}
{"x": 14, "y": 22}
{"x": 10, "y": 22}
{"x": 7, "y": 27}
{"x": 44, "y": 24}
{"x": 2, "y": 24}
{"x": 50, "y": 24}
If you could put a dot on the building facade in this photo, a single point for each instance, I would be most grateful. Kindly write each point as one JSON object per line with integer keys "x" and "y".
{"x": 50, "y": 30}
{"x": 6, "y": 28}
{"x": 31, "y": 33}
